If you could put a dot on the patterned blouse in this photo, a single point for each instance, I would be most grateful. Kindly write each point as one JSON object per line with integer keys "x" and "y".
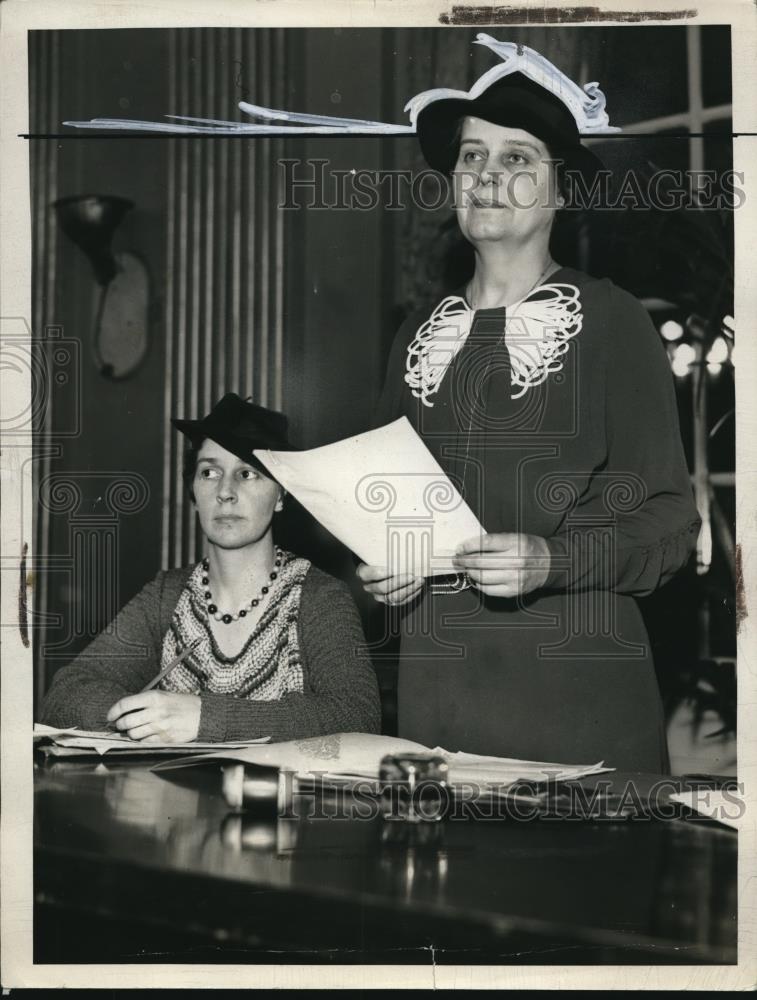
{"x": 267, "y": 667}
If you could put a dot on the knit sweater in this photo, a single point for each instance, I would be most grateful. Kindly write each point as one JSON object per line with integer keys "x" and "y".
{"x": 340, "y": 693}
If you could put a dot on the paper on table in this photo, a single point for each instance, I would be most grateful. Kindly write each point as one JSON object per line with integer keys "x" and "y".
{"x": 382, "y": 494}
{"x": 359, "y": 754}
{"x": 83, "y": 741}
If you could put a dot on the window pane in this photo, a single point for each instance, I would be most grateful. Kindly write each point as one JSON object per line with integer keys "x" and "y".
{"x": 646, "y": 75}
{"x": 716, "y": 65}
{"x": 665, "y": 150}
{"x": 718, "y": 145}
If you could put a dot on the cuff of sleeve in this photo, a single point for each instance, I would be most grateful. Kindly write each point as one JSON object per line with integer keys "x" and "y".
{"x": 558, "y": 568}
{"x": 214, "y": 710}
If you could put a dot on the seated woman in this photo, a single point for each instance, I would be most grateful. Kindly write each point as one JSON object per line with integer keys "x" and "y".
{"x": 277, "y": 647}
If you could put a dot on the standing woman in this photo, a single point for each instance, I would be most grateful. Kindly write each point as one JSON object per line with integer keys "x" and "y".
{"x": 547, "y": 397}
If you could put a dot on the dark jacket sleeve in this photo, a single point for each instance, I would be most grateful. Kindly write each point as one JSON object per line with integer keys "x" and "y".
{"x": 341, "y": 693}
{"x": 637, "y": 523}
{"x": 390, "y": 404}
{"x": 119, "y": 661}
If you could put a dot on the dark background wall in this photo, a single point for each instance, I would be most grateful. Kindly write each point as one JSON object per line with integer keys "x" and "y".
{"x": 86, "y": 74}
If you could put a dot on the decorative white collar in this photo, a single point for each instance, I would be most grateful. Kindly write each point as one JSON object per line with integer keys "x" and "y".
{"x": 537, "y": 333}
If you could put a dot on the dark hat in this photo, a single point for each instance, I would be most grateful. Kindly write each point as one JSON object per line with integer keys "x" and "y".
{"x": 239, "y": 426}
{"x": 513, "y": 100}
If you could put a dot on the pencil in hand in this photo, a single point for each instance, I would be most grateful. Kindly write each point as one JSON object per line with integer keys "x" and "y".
{"x": 174, "y": 663}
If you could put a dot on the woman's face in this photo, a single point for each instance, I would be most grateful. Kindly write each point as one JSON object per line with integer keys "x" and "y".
{"x": 505, "y": 188}
{"x": 235, "y": 501}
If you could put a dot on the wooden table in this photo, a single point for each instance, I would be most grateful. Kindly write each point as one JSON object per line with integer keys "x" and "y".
{"x": 135, "y": 866}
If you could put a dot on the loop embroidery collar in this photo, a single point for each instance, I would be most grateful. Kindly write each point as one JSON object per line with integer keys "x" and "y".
{"x": 537, "y": 333}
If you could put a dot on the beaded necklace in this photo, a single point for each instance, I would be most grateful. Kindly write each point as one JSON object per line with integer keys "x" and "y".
{"x": 227, "y": 618}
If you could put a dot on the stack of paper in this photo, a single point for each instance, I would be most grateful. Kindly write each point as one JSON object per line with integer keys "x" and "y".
{"x": 359, "y": 755}
{"x": 81, "y": 742}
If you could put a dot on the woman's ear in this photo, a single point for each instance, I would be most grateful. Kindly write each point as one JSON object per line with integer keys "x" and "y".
{"x": 279, "y": 506}
{"x": 559, "y": 192}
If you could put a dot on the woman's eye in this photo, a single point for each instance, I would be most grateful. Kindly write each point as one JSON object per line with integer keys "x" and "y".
{"x": 248, "y": 474}
{"x": 517, "y": 158}
{"x": 208, "y": 473}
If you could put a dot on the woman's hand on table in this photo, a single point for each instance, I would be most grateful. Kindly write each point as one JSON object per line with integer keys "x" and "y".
{"x": 506, "y": 564}
{"x": 388, "y": 589}
{"x": 157, "y": 716}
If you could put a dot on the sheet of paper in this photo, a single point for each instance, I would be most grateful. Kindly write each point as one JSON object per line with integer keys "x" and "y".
{"x": 359, "y": 754}
{"x": 42, "y": 732}
{"x": 135, "y": 749}
{"x": 726, "y": 807}
{"x": 82, "y": 741}
{"x": 382, "y": 494}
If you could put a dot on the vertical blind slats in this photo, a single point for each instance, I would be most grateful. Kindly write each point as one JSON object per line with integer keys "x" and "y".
{"x": 225, "y": 250}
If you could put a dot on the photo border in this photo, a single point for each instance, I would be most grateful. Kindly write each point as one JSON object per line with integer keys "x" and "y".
{"x": 16, "y": 676}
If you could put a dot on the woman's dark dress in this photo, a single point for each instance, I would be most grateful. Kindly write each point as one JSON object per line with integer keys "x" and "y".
{"x": 590, "y": 459}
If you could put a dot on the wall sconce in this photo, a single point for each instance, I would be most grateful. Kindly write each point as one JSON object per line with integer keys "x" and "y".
{"x": 121, "y": 334}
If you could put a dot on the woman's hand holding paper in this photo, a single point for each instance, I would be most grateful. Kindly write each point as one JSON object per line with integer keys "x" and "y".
{"x": 388, "y": 589}
{"x": 506, "y": 564}
{"x": 157, "y": 717}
